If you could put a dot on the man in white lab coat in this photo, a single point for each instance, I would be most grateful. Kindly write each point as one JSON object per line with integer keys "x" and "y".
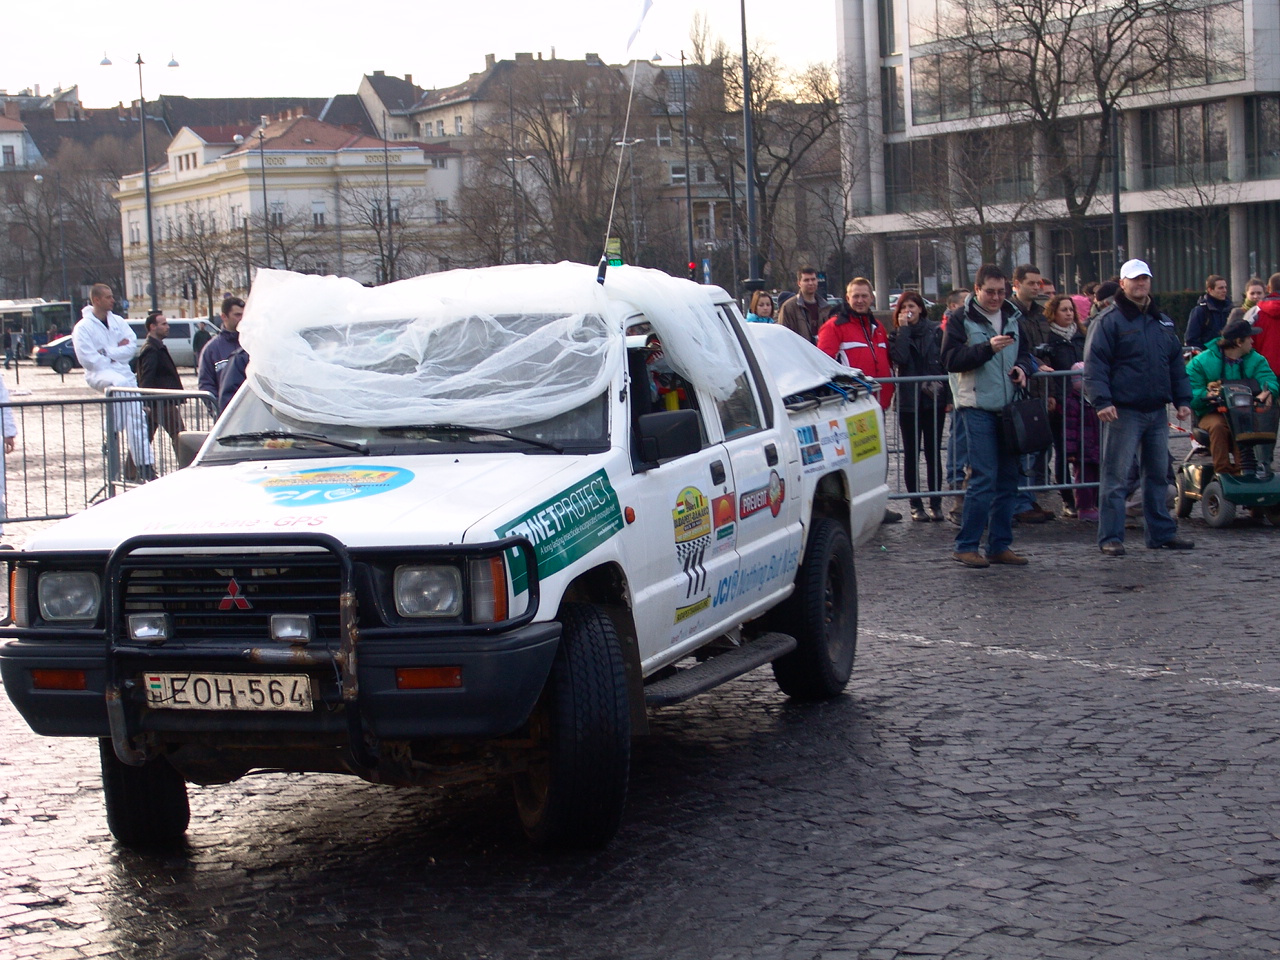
{"x": 104, "y": 345}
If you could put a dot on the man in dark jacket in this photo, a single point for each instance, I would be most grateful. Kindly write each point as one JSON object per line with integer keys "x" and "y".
{"x": 218, "y": 351}
{"x": 1132, "y": 371}
{"x": 157, "y": 371}
{"x": 1209, "y": 315}
{"x": 804, "y": 312}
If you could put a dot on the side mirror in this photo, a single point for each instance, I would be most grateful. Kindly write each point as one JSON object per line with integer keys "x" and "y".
{"x": 668, "y": 434}
{"x": 189, "y": 444}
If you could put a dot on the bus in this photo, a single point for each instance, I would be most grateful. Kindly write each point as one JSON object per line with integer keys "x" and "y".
{"x": 34, "y": 317}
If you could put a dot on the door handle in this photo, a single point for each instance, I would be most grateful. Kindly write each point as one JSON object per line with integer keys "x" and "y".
{"x": 771, "y": 454}
{"x": 717, "y": 472}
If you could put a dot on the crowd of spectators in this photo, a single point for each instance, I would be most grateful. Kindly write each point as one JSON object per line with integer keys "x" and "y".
{"x": 1106, "y": 361}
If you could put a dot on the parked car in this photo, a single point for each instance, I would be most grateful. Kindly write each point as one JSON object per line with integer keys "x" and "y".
{"x": 59, "y": 354}
{"x": 179, "y": 339}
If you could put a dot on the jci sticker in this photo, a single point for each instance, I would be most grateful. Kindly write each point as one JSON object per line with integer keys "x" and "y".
{"x": 332, "y": 485}
{"x": 568, "y": 526}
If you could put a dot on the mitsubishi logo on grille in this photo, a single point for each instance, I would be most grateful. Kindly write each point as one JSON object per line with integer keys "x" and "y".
{"x": 233, "y": 598}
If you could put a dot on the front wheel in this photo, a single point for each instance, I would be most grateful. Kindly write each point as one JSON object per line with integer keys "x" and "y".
{"x": 1217, "y": 509}
{"x": 62, "y": 365}
{"x": 147, "y": 805}
{"x": 822, "y": 615}
{"x": 573, "y": 793}
{"x": 1184, "y": 503}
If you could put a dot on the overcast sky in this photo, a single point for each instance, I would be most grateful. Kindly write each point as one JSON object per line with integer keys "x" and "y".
{"x": 258, "y": 47}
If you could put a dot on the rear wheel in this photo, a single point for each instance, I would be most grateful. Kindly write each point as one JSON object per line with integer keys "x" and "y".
{"x": 146, "y": 805}
{"x": 62, "y": 365}
{"x": 822, "y": 615}
{"x": 573, "y": 793}
{"x": 1217, "y": 509}
{"x": 1184, "y": 503}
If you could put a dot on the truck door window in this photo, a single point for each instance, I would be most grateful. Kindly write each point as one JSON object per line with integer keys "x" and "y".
{"x": 740, "y": 413}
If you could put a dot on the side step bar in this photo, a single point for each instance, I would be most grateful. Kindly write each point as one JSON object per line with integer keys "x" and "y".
{"x": 719, "y": 669}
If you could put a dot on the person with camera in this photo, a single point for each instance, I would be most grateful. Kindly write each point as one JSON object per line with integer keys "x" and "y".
{"x": 1133, "y": 370}
{"x": 1231, "y": 357}
{"x": 986, "y": 357}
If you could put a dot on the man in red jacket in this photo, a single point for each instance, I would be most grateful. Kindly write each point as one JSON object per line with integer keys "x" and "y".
{"x": 854, "y": 337}
{"x": 1267, "y": 320}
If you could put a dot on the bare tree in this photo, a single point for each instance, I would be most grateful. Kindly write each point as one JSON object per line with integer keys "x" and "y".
{"x": 391, "y": 243}
{"x": 1060, "y": 67}
{"x": 202, "y": 250}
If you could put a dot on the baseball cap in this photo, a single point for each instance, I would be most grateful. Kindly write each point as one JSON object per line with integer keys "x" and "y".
{"x": 1133, "y": 269}
{"x": 1239, "y": 329}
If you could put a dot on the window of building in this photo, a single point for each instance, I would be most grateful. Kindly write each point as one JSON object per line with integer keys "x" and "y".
{"x": 317, "y": 213}
{"x": 914, "y": 172}
{"x": 440, "y": 163}
{"x": 893, "y": 108}
{"x": 277, "y": 213}
{"x": 442, "y": 211}
{"x": 663, "y": 135}
{"x": 678, "y": 173}
{"x": 395, "y": 211}
{"x": 10, "y": 157}
{"x": 457, "y": 125}
{"x": 439, "y": 128}
{"x": 322, "y": 267}
{"x": 888, "y": 33}
{"x": 428, "y": 130}
{"x": 1185, "y": 145}
{"x": 926, "y": 98}
{"x": 702, "y": 228}
{"x": 1262, "y": 137}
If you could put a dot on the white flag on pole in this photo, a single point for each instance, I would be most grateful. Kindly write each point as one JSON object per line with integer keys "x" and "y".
{"x": 644, "y": 12}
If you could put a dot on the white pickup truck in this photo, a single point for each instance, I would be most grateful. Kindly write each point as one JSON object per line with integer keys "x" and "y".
{"x": 470, "y": 525}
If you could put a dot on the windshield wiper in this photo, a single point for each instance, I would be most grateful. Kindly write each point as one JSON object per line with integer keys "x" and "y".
{"x": 482, "y": 431}
{"x": 290, "y": 435}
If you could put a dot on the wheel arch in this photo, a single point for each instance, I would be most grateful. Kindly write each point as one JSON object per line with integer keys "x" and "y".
{"x": 606, "y": 587}
{"x": 831, "y": 499}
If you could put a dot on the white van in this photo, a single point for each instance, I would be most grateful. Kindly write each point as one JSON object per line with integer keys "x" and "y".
{"x": 179, "y": 339}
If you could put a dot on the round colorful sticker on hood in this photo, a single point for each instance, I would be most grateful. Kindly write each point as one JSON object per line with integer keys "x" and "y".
{"x": 332, "y": 484}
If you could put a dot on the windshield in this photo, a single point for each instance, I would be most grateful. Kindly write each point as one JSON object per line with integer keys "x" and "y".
{"x": 254, "y": 430}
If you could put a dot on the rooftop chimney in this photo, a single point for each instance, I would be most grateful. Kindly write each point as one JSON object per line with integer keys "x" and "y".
{"x": 489, "y": 61}
{"x": 408, "y": 78}
{"x": 379, "y": 73}
{"x": 12, "y": 110}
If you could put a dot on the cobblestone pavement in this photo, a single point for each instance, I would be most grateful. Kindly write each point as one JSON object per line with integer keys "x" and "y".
{"x": 1074, "y": 759}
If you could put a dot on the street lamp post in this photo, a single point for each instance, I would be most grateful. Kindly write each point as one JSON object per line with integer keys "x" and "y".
{"x": 386, "y": 170}
{"x": 62, "y": 242}
{"x": 753, "y": 281}
{"x": 516, "y": 206}
{"x": 266, "y": 213}
{"x": 146, "y": 177}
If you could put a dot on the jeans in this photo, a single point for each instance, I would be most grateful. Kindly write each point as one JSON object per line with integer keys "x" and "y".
{"x": 1145, "y": 435}
{"x": 993, "y": 484}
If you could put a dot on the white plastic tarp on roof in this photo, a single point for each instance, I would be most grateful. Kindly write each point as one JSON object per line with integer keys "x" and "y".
{"x": 497, "y": 347}
{"x": 796, "y": 364}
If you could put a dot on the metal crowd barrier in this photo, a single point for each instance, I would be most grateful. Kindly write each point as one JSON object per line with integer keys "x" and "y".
{"x": 73, "y": 453}
{"x": 951, "y": 473}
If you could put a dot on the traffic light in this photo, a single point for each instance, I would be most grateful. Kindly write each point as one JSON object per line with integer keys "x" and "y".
{"x": 693, "y": 270}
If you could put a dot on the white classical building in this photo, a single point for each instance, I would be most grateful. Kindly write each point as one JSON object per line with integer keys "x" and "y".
{"x": 291, "y": 193}
{"x": 1200, "y": 159}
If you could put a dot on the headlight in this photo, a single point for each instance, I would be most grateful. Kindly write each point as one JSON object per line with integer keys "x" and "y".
{"x": 69, "y": 595}
{"x": 428, "y": 591}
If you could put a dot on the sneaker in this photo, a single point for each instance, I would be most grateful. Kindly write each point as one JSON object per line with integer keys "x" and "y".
{"x": 971, "y": 559}
{"x": 918, "y": 514}
{"x": 1112, "y": 548}
{"x": 1069, "y": 512}
{"x": 935, "y": 514}
{"x": 891, "y": 516}
{"x": 1090, "y": 514}
{"x": 1034, "y": 515}
{"x": 1007, "y": 556}
{"x": 1175, "y": 544}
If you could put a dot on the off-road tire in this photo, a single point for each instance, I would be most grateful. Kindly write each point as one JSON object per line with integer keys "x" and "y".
{"x": 822, "y": 614}
{"x": 574, "y": 791}
{"x": 147, "y": 805}
{"x": 1217, "y": 509}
